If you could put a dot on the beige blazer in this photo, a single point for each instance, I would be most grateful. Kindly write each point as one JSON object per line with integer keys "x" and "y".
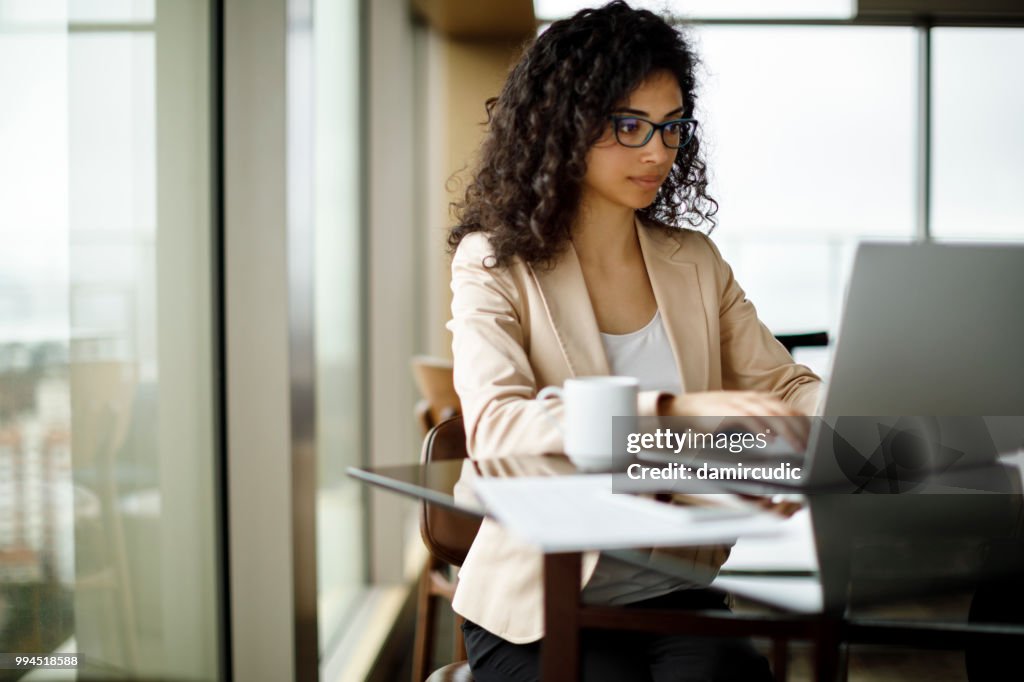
{"x": 517, "y": 329}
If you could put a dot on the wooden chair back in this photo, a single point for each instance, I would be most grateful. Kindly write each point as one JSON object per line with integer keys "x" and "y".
{"x": 434, "y": 378}
{"x": 447, "y": 534}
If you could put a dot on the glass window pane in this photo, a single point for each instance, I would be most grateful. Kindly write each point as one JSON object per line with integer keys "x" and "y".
{"x": 111, "y": 11}
{"x": 341, "y": 546}
{"x": 107, "y": 496}
{"x": 113, "y": 130}
{"x": 977, "y": 136}
{"x": 33, "y": 186}
{"x": 37, "y": 538}
{"x": 717, "y": 9}
{"x": 809, "y": 137}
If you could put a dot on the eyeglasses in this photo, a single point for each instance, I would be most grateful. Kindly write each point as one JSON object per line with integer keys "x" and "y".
{"x": 633, "y": 131}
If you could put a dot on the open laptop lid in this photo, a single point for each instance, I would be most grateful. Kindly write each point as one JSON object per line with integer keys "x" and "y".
{"x": 933, "y": 331}
{"x": 931, "y": 341}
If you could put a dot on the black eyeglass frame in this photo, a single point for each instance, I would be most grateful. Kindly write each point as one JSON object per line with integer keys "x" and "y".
{"x": 655, "y": 127}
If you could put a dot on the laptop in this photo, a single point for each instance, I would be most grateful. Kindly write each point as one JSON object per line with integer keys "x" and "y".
{"x": 930, "y": 358}
{"x": 931, "y": 344}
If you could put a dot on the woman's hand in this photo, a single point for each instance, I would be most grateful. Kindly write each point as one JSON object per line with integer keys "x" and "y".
{"x": 778, "y": 504}
{"x": 749, "y": 411}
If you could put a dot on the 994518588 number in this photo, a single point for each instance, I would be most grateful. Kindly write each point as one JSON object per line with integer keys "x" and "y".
{"x": 50, "y": 661}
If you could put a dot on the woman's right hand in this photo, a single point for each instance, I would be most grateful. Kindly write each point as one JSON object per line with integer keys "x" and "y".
{"x": 749, "y": 411}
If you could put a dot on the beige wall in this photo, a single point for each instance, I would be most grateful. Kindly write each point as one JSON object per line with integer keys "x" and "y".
{"x": 460, "y": 76}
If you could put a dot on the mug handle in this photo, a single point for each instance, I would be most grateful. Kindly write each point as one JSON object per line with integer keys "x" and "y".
{"x": 542, "y": 396}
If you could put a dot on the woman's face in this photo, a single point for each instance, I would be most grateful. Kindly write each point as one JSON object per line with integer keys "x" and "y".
{"x": 619, "y": 176}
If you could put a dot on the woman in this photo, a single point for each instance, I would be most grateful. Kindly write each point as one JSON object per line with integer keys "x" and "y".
{"x": 569, "y": 260}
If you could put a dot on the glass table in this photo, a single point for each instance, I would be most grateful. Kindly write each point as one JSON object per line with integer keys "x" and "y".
{"x": 846, "y": 569}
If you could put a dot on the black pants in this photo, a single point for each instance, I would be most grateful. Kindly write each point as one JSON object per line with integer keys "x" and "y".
{"x": 625, "y": 656}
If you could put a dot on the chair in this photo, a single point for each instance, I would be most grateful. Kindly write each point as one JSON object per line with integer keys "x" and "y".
{"x": 810, "y": 340}
{"x": 434, "y": 380}
{"x": 446, "y": 535}
{"x": 101, "y": 413}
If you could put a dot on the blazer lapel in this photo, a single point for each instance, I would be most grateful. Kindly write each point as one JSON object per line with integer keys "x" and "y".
{"x": 677, "y": 291}
{"x": 571, "y": 315}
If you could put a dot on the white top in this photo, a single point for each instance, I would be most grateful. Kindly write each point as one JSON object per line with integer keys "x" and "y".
{"x": 646, "y": 355}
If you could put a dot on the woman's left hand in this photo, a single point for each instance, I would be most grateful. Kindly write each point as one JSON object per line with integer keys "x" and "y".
{"x": 778, "y": 504}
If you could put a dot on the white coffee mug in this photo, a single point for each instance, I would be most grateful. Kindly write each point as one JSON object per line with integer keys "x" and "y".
{"x": 589, "y": 405}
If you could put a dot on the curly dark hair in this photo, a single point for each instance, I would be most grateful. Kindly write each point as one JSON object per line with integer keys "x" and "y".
{"x": 526, "y": 189}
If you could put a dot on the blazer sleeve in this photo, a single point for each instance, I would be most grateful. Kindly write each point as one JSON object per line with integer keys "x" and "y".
{"x": 752, "y": 358}
{"x": 493, "y": 376}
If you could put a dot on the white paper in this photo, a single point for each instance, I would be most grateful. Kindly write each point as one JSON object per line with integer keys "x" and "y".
{"x": 793, "y": 549}
{"x": 576, "y": 513}
{"x": 803, "y": 595}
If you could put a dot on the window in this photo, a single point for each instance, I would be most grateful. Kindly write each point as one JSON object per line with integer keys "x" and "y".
{"x": 107, "y": 455}
{"x": 809, "y": 137}
{"x": 977, "y": 136}
{"x": 717, "y": 9}
{"x": 341, "y": 546}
